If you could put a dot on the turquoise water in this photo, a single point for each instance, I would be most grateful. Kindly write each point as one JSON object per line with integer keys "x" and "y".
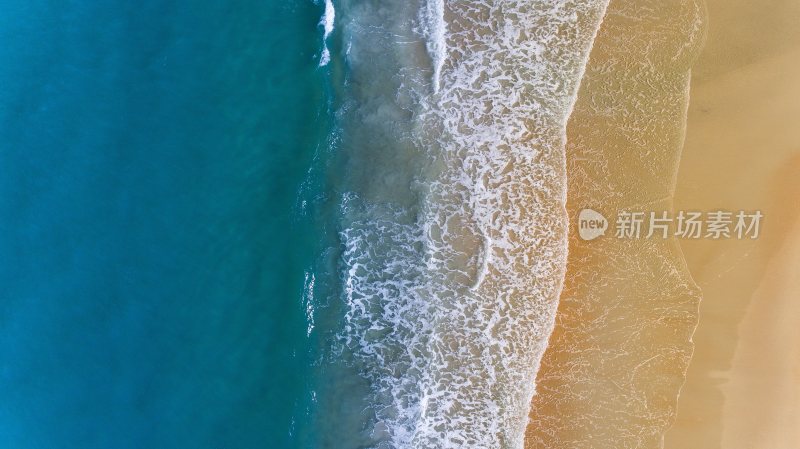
{"x": 154, "y": 160}
{"x": 281, "y": 224}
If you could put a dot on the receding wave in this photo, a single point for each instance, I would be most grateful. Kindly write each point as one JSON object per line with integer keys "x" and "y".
{"x": 617, "y": 358}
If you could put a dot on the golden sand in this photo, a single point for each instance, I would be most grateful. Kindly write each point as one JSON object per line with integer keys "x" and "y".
{"x": 619, "y": 353}
{"x": 743, "y": 152}
{"x": 612, "y": 372}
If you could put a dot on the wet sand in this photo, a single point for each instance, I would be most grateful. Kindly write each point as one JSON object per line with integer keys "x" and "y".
{"x": 743, "y": 152}
{"x": 618, "y": 355}
{"x": 624, "y": 334}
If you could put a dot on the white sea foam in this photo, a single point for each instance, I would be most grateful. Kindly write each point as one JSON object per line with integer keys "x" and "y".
{"x": 435, "y": 30}
{"x": 450, "y": 302}
{"x": 327, "y": 24}
{"x": 308, "y": 298}
{"x": 325, "y": 59}
{"x": 328, "y": 18}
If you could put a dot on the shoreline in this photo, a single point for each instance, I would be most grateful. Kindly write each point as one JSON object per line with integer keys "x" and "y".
{"x": 618, "y": 356}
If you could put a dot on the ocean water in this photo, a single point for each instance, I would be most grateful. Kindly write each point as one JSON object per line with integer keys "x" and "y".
{"x": 282, "y": 224}
{"x": 154, "y": 160}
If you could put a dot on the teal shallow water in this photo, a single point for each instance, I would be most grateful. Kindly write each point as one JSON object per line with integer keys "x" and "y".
{"x": 154, "y": 161}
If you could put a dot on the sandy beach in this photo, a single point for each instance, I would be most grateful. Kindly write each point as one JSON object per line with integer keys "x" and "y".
{"x": 743, "y": 152}
{"x": 618, "y": 356}
{"x": 612, "y": 376}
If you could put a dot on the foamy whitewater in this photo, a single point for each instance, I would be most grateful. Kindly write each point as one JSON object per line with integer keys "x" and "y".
{"x": 327, "y": 23}
{"x": 453, "y": 223}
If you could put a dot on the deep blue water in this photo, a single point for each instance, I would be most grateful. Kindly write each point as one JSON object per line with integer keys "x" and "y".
{"x": 152, "y": 246}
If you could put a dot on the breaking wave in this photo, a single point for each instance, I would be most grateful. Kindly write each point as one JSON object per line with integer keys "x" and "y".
{"x": 452, "y": 210}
